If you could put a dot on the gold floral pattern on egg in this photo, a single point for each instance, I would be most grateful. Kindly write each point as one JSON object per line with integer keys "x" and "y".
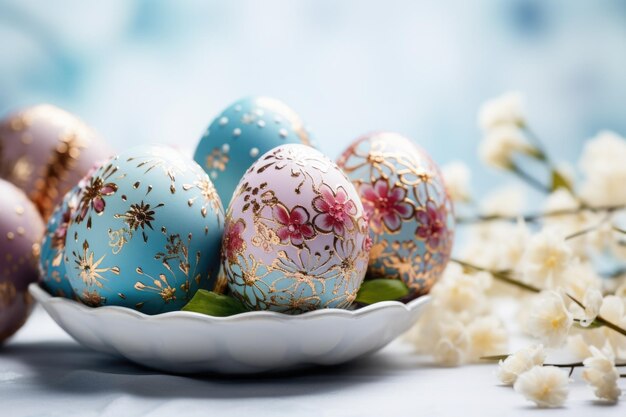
{"x": 160, "y": 222}
{"x": 407, "y": 206}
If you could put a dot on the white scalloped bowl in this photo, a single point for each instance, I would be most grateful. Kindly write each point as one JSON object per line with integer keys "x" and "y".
{"x": 246, "y": 343}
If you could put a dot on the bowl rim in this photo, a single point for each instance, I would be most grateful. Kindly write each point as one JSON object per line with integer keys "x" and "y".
{"x": 43, "y": 297}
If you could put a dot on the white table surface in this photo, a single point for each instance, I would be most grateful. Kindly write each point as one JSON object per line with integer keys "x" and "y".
{"x": 43, "y": 372}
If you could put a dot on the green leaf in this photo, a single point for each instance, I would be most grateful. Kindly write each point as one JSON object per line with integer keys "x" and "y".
{"x": 559, "y": 181}
{"x": 212, "y": 304}
{"x": 376, "y": 290}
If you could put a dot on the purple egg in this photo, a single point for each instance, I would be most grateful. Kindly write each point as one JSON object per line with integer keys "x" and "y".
{"x": 21, "y": 229}
{"x": 45, "y": 151}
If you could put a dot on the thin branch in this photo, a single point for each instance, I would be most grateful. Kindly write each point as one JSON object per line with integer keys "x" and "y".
{"x": 530, "y": 180}
{"x": 590, "y": 229}
{"x": 534, "y": 217}
{"x": 501, "y": 275}
{"x": 505, "y": 277}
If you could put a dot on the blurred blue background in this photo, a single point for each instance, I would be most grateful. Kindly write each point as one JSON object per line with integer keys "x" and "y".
{"x": 159, "y": 71}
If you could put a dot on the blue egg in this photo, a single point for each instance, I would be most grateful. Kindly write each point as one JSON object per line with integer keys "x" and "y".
{"x": 241, "y": 134}
{"x": 146, "y": 233}
{"x": 51, "y": 266}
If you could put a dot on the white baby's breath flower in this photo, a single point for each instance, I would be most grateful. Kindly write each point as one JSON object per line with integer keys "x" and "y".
{"x": 457, "y": 178}
{"x": 601, "y": 374}
{"x": 549, "y": 320}
{"x": 546, "y": 386}
{"x": 546, "y": 259}
{"x": 506, "y": 109}
{"x": 602, "y": 162}
{"x": 487, "y": 336}
{"x": 519, "y": 362}
{"x": 500, "y": 145}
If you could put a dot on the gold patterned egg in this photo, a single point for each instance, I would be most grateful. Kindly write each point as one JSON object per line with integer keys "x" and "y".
{"x": 45, "y": 151}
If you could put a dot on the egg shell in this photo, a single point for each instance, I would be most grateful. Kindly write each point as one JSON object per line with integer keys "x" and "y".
{"x": 410, "y": 213}
{"x": 21, "y": 228}
{"x": 53, "y": 276}
{"x": 295, "y": 238}
{"x": 241, "y": 134}
{"x": 146, "y": 233}
{"x": 45, "y": 151}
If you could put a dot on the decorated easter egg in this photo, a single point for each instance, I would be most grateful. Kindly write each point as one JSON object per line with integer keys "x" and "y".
{"x": 21, "y": 228}
{"x": 296, "y": 238}
{"x": 146, "y": 233}
{"x": 243, "y": 132}
{"x": 45, "y": 151}
{"x": 53, "y": 276}
{"x": 410, "y": 214}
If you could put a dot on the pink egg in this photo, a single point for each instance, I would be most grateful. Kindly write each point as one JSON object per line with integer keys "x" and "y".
{"x": 296, "y": 236}
{"x": 21, "y": 228}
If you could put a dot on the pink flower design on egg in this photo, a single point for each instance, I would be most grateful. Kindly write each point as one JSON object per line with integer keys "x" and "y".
{"x": 385, "y": 205}
{"x": 233, "y": 239}
{"x": 431, "y": 224}
{"x": 295, "y": 225}
{"x": 335, "y": 210}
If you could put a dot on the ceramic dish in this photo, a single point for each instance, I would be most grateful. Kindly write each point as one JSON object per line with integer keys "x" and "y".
{"x": 247, "y": 343}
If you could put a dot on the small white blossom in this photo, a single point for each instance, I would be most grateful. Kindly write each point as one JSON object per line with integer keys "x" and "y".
{"x": 546, "y": 259}
{"x": 500, "y": 145}
{"x": 602, "y": 162}
{"x": 580, "y": 277}
{"x": 451, "y": 347}
{"x": 457, "y": 178}
{"x": 519, "y": 362}
{"x": 487, "y": 336}
{"x": 592, "y": 302}
{"x": 562, "y": 200}
{"x": 506, "y": 109}
{"x": 507, "y": 201}
{"x": 546, "y": 386}
{"x": 600, "y": 372}
{"x": 458, "y": 292}
{"x": 549, "y": 320}
{"x": 613, "y": 309}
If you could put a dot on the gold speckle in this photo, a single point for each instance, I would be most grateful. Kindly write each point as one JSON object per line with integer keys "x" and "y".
{"x": 19, "y": 210}
{"x": 20, "y": 231}
{"x": 10, "y": 235}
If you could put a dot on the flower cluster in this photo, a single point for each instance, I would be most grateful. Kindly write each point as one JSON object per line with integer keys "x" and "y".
{"x": 458, "y": 326}
{"x": 563, "y": 263}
